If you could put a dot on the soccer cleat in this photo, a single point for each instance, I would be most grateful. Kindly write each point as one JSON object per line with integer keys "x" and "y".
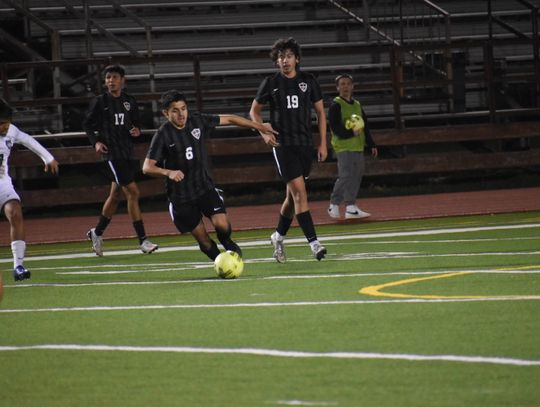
{"x": 354, "y": 212}
{"x": 279, "y": 250}
{"x": 333, "y": 211}
{"x": 148, "y": 247}
{"x": 20, "y": 273}
{"x": 319, "y": 251}
{"x": 97, "y": 241}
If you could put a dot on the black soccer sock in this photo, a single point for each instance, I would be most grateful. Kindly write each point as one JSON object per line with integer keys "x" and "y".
{"x": 139, "y": 229}
{"x": 306, "y": 223}
{"x": 102, "y": 224}
{"x": 225, "y": 239}
{"x": 283, "y": 225}
{"x": 212, "y": 252}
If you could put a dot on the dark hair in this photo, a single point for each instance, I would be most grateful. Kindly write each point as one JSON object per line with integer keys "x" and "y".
{"x": 343, "y": 75}
{"x": 119, "y": 69}
{"x": 281, "y": 45}
{"x": 170, "y": 97}
{"x": 6, "y": 111}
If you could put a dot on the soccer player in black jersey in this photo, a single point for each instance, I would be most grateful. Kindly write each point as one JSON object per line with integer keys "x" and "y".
{"x": 111, "y": 122}
{"x": 178, "y": 153}
{"x": 291, "y": 95}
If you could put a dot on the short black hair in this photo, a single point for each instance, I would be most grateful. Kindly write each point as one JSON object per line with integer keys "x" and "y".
{"x": 343, "y": 75}
{"x": 170, "y": 97}
{"x": 6, "y": 111}
{"x": 281, "y": 45}
{"x": 116, "y": 68}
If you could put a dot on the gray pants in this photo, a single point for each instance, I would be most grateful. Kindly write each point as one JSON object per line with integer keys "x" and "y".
{"x": 351, "y": 167}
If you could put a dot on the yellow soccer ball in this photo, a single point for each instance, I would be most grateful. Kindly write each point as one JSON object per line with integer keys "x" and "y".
{"x": 355, "y": 123}
{"x": 228, "y": 264}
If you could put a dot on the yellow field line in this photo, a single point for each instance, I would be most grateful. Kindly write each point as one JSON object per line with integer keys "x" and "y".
{"x": 376, "y": 290}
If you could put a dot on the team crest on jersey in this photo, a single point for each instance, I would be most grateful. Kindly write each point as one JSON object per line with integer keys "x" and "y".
{"x": 127, "y": 106}
{"x": 196, "y": 133}
{"x": 303, "y": 86}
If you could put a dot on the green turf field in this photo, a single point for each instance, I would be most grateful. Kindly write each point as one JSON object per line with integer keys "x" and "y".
{"x": 441, "y": 312}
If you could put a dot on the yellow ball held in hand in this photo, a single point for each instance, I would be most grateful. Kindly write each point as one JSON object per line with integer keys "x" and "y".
{"x": 355, "y": 123}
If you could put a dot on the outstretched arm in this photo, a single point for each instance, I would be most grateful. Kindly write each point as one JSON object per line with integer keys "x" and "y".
{"x": 265, "y": 129}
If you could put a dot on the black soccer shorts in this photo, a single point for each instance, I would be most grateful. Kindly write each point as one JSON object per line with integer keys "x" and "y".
{"x": 187, "y": 215}
{"x": 293, "y": 161}
{"x": 123, "y": 171}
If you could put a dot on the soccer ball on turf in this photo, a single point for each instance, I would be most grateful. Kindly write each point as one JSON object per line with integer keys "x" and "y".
{"x": 355, "y": 122}
{"x": 228, "y": 264}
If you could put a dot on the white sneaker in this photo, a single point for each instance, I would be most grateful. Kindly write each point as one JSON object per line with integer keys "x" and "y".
{"x": 148, "y": 247}
{"x": 97, "y": 241}
{"x": 318, "y": 250}
{"x": 279, "y": 249}
{"x": 333, "y": 211}
{"x": 354, "y": 212}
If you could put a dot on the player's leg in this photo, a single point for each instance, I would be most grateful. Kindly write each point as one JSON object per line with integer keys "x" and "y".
{"x": 109, "y": 209}
{"x": 188, "y": 219}
{"x": 13, "y": 212}
{"x": 223, "y": 230}
{"x": 297, "y": 189}
{"x": 206, "y": 244}
{"x": 131, "y": 191}
{"x": 126, "y": 178}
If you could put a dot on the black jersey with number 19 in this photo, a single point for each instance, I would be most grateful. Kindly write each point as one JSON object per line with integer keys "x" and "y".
{"x": 291, "y": 101}
{"x": 185, "y": 150}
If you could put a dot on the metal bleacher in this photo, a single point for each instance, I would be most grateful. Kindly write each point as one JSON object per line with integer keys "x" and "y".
{"x": 437, "y": 78}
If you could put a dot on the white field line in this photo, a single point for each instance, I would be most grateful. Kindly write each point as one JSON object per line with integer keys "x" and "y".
{"x": 265, "y": 242}
{"x": 154, "y": 268}
{"x": 262, "y": 304}
{"x": 280, "y": 353}
{"x": 282, "y": 277}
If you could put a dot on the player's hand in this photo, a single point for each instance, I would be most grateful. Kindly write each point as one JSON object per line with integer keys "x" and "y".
{"x": 268, "y": 135}
{"x": 175, "y": 175}
{"x": 101, "y": 148}
{"x": 52, "y": 167}
{"x": 135, "y": 132}
{"x": 322, "y": 153}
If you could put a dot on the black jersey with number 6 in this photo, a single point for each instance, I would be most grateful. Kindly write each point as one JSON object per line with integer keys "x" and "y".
{"x": 109, "y": 120}
{"x": 185, "y": 150}
{"x": 291, "y": 101}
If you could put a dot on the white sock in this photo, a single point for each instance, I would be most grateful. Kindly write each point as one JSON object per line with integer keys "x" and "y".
{"x": 18, "y": 248}
{"x": 314, "y": 243}
{"x": 278, "y": 235}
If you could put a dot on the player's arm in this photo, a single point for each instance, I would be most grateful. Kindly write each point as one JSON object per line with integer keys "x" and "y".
{"x": 322, "y": 151}
{"x": 92, "y": 124}
{"x": 150, "y": 167}
{"x": 33, "y": 145}
{"x": 256, "y": 115}
{"x": 265, "y": 129}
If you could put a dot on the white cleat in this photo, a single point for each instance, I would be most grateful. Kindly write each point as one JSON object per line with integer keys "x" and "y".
{"x": 354, "y": 212}
{"x": 333, "y": 211}
{"x": 97, "y": 241}
{"x": 279, "y": 250}
{"x": 148, "y": 247}
{"x": 319, "y": 251}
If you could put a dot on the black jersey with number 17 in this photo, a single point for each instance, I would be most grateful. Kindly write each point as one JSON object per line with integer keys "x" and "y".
{"x": 291, "y": 101}
{"x": 185, "y": 150}
{"x": 109, "y": 120}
